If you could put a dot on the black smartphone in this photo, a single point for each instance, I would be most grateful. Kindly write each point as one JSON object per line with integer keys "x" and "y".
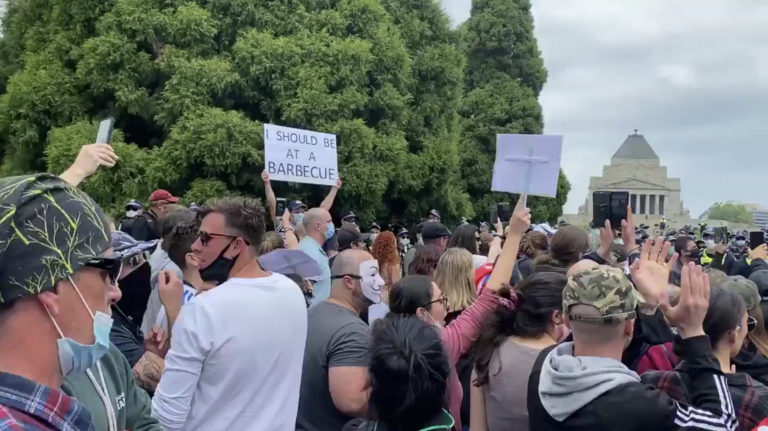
{"x": 619, "y": 202}
{"x": 280, "y": 204}
{"x": 104, "y": 136}
{"x": 756, "y": 239}
{"x": 503, "y": 211}
{"x": 601, "y": 208}
{"x": 721, "y": 235}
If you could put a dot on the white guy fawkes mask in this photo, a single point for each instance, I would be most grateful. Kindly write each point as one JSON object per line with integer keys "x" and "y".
{"x": 371, "y": 281}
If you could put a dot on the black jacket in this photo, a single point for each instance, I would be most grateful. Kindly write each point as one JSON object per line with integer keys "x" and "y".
{"x": 751, "y": 361}
{"x": 145, "y": 227}
{"x": 638, "y": 407}
{"x": 744, "y": 269}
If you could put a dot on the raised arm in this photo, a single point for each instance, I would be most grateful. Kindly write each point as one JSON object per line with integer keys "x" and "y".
{"x": 88, "y": 161}
{"x": 518, "y": 225}
{"x": 290, "y": 239}
{"x": 327, "y": 203}
{"x": 270, "y": 195}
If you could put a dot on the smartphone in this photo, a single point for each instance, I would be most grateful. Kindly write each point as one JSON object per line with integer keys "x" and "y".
{"x": 280, "y": 204}
{"x": 756, "y": 239}
{"x": 721, "y": 235}
{"x": 105, "y": 131}
{"x": 619, "y": 202}
{"x": 601, "y": 208}
{"x": 503, "y": 211}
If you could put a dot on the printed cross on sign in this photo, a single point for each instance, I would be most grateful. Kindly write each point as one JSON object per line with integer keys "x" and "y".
{"x": 528, "y": 160}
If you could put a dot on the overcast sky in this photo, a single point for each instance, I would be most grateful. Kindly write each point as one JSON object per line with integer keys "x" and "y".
{"x": 691, "y": 75}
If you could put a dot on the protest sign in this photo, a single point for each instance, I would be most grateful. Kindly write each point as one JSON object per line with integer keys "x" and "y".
{"x": 300, "y": 156}
{"x": 527, "y": 164}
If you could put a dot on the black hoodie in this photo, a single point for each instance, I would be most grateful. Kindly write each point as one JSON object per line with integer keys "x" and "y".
{"x": 752, "y": 362}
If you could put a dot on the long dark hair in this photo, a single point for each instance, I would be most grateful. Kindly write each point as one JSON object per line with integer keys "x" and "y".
{"x": 425, "y": 260}
{"x": 464, "y": 237}
{"x": 409, "y": 294}
{"x": 408, "y": 372}
{"x": 726, "y": 309}
{"x": 566, "y": 247}
{"x": 538, "y": 296}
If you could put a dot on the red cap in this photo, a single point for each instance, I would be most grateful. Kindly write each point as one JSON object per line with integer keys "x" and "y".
{"x": 163, "y": 195}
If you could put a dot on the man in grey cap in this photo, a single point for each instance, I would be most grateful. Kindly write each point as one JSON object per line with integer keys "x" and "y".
{"x": 57, "y": 281}
{"x": 432, "y": 233}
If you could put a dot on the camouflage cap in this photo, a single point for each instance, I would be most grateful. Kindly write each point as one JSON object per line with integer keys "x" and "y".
{"x": 604, "y": 288}
{"x": 48, "y": 230}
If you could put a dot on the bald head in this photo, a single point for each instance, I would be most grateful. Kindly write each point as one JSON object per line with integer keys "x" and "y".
{"x": 316, "y": 223}
{"x": 348, "y": 262}
{"x": 581, "y": 266}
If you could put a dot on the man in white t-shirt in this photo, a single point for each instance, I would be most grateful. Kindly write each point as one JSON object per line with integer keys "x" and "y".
{"x": 237, "y": 350}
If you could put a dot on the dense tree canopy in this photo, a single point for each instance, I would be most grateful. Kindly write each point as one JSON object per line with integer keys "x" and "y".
{"x": 733, "y": 213}
{"x": 190, "y": 83}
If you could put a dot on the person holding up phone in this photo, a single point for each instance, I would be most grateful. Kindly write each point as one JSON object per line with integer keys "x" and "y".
{"x": 716, "y": 254}
{"x": 88, "y": 161}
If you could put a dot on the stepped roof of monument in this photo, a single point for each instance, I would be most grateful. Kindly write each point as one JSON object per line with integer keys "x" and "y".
{"x": 635, "y": 147}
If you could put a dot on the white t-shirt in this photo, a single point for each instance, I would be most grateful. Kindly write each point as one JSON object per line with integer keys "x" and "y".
{"x": 162, "y": 317}
{"x": 236, "y": 358}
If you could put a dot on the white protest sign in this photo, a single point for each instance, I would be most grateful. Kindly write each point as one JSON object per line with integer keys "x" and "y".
{"x": 527, "y": 164}
{"x": 300, "y": 156}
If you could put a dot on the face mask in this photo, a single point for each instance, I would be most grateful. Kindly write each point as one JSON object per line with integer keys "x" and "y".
{"x": 374, "y": 236}
{"x": 741, "y": 243}
{"x": 218, "y": 270}
{"x": 695, "y": 254}
{"x": 371, "y": 280}
{"x": 75, "y": 357}
{"x": 136, "y": 288}
{"x": 298, "y": 218}
{"x": 710, "y": 243}
{"x": 330, "y": 230}
{"x": 405, "y": 242}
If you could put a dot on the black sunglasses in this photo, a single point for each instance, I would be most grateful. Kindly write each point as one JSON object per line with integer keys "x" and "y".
{"x": 751, "y": 323}
{"x": 112, "y": 266}
{"x": 206, "y": 237}
{"x": 353, "y": 276}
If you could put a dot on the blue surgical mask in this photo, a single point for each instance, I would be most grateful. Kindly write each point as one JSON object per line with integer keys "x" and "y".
{"x": 330, "y": 230}
{"x": 75, "y": 357}
{"x": 298, "y": 218}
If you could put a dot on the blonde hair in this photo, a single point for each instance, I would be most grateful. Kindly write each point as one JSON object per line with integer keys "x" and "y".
{"x": 454, "y": 275}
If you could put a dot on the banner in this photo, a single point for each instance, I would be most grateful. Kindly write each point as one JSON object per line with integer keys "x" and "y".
{"x": 300, "y": 156}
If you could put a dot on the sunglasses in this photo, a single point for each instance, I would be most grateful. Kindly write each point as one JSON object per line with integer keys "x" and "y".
{"x": 443, "y": 300}
{"x": 352, "y": 276}
{"x": 112, "y": 266}
{"x": 206, "y": 237}
{"x": 751, "y": 324}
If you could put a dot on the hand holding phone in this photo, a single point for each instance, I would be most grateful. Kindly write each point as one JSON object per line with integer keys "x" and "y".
{"x": 104, "y": 136}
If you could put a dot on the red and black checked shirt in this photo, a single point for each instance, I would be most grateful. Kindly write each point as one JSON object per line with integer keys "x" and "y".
{"x": 750, "y": 397}
{"x": 26, "y": 406}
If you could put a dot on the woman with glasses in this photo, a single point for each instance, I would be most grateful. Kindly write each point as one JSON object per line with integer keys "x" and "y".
{"x": 418, "y": 295}
{"x": 753, "y": 358}
{"x": 727, "y": 325}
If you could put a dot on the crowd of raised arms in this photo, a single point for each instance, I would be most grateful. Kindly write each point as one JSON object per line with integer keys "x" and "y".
{"x": 231, "y": 316}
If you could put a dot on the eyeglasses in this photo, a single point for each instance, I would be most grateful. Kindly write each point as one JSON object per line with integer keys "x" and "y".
{"x": 751, "y": 324}
{"x": 443, "y": 300}
{"x": 353, "y": 276}
{"x": 206, "y": 237}
{"x": 111, "y": 265}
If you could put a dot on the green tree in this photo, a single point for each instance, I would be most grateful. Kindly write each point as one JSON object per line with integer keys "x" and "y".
{"x": 190, "y": 84}
{"x": 505, "y": 74}
{"x": 733, "y": 213}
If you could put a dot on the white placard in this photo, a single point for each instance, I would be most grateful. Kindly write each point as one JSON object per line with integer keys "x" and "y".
{"x": 300, "y": 156}
{"x": 527, "y": 164}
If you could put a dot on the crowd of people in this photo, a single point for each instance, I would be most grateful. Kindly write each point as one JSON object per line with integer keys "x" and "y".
{"x": 231, "y": 316}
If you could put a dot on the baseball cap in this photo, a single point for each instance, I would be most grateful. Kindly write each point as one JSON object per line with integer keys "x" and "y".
{"x": 48, "y": 230}
{"x": 346, "y": 236}
{"x": 126, "y": 246}
{"x": 604, "y": 288}
{"x": 434, "y": 230}
{"x": 348, "y": 215}
{"x": 745, "y": 288}
{"x": 294, "y": 205}
{"x": 163, "y": 195}
{"x": 133, "y": 204}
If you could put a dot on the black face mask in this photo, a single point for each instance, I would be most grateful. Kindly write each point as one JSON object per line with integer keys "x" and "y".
{"x": 694, "y": 254}
{"x": 136, "y": 288}
{"x": 218, "y": 270}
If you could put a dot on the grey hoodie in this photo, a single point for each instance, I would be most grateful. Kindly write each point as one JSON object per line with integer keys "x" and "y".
{"x": 158, "y": 261}
{"x": 569, "y": 382}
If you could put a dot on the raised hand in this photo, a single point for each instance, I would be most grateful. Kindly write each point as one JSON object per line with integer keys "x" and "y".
{"x": 650, "y": 273}
{"x": 521, "y": 218}
{"x": 265, "y": 176}
{"x": 628, "y": 231}
{"x": 498, "y": 226}
{"x": 688, "y": 315}
{"x": 88, "y": 161}
{"x": 760, "y": 252}
{"x": 338, "y": 183}
{"x": 606, "y": 241}
{"x": 170, "y": 289}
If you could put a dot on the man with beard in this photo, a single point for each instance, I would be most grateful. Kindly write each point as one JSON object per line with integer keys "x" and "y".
{"x": 237, "y": 349}
{"x": 334, "y": 378}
